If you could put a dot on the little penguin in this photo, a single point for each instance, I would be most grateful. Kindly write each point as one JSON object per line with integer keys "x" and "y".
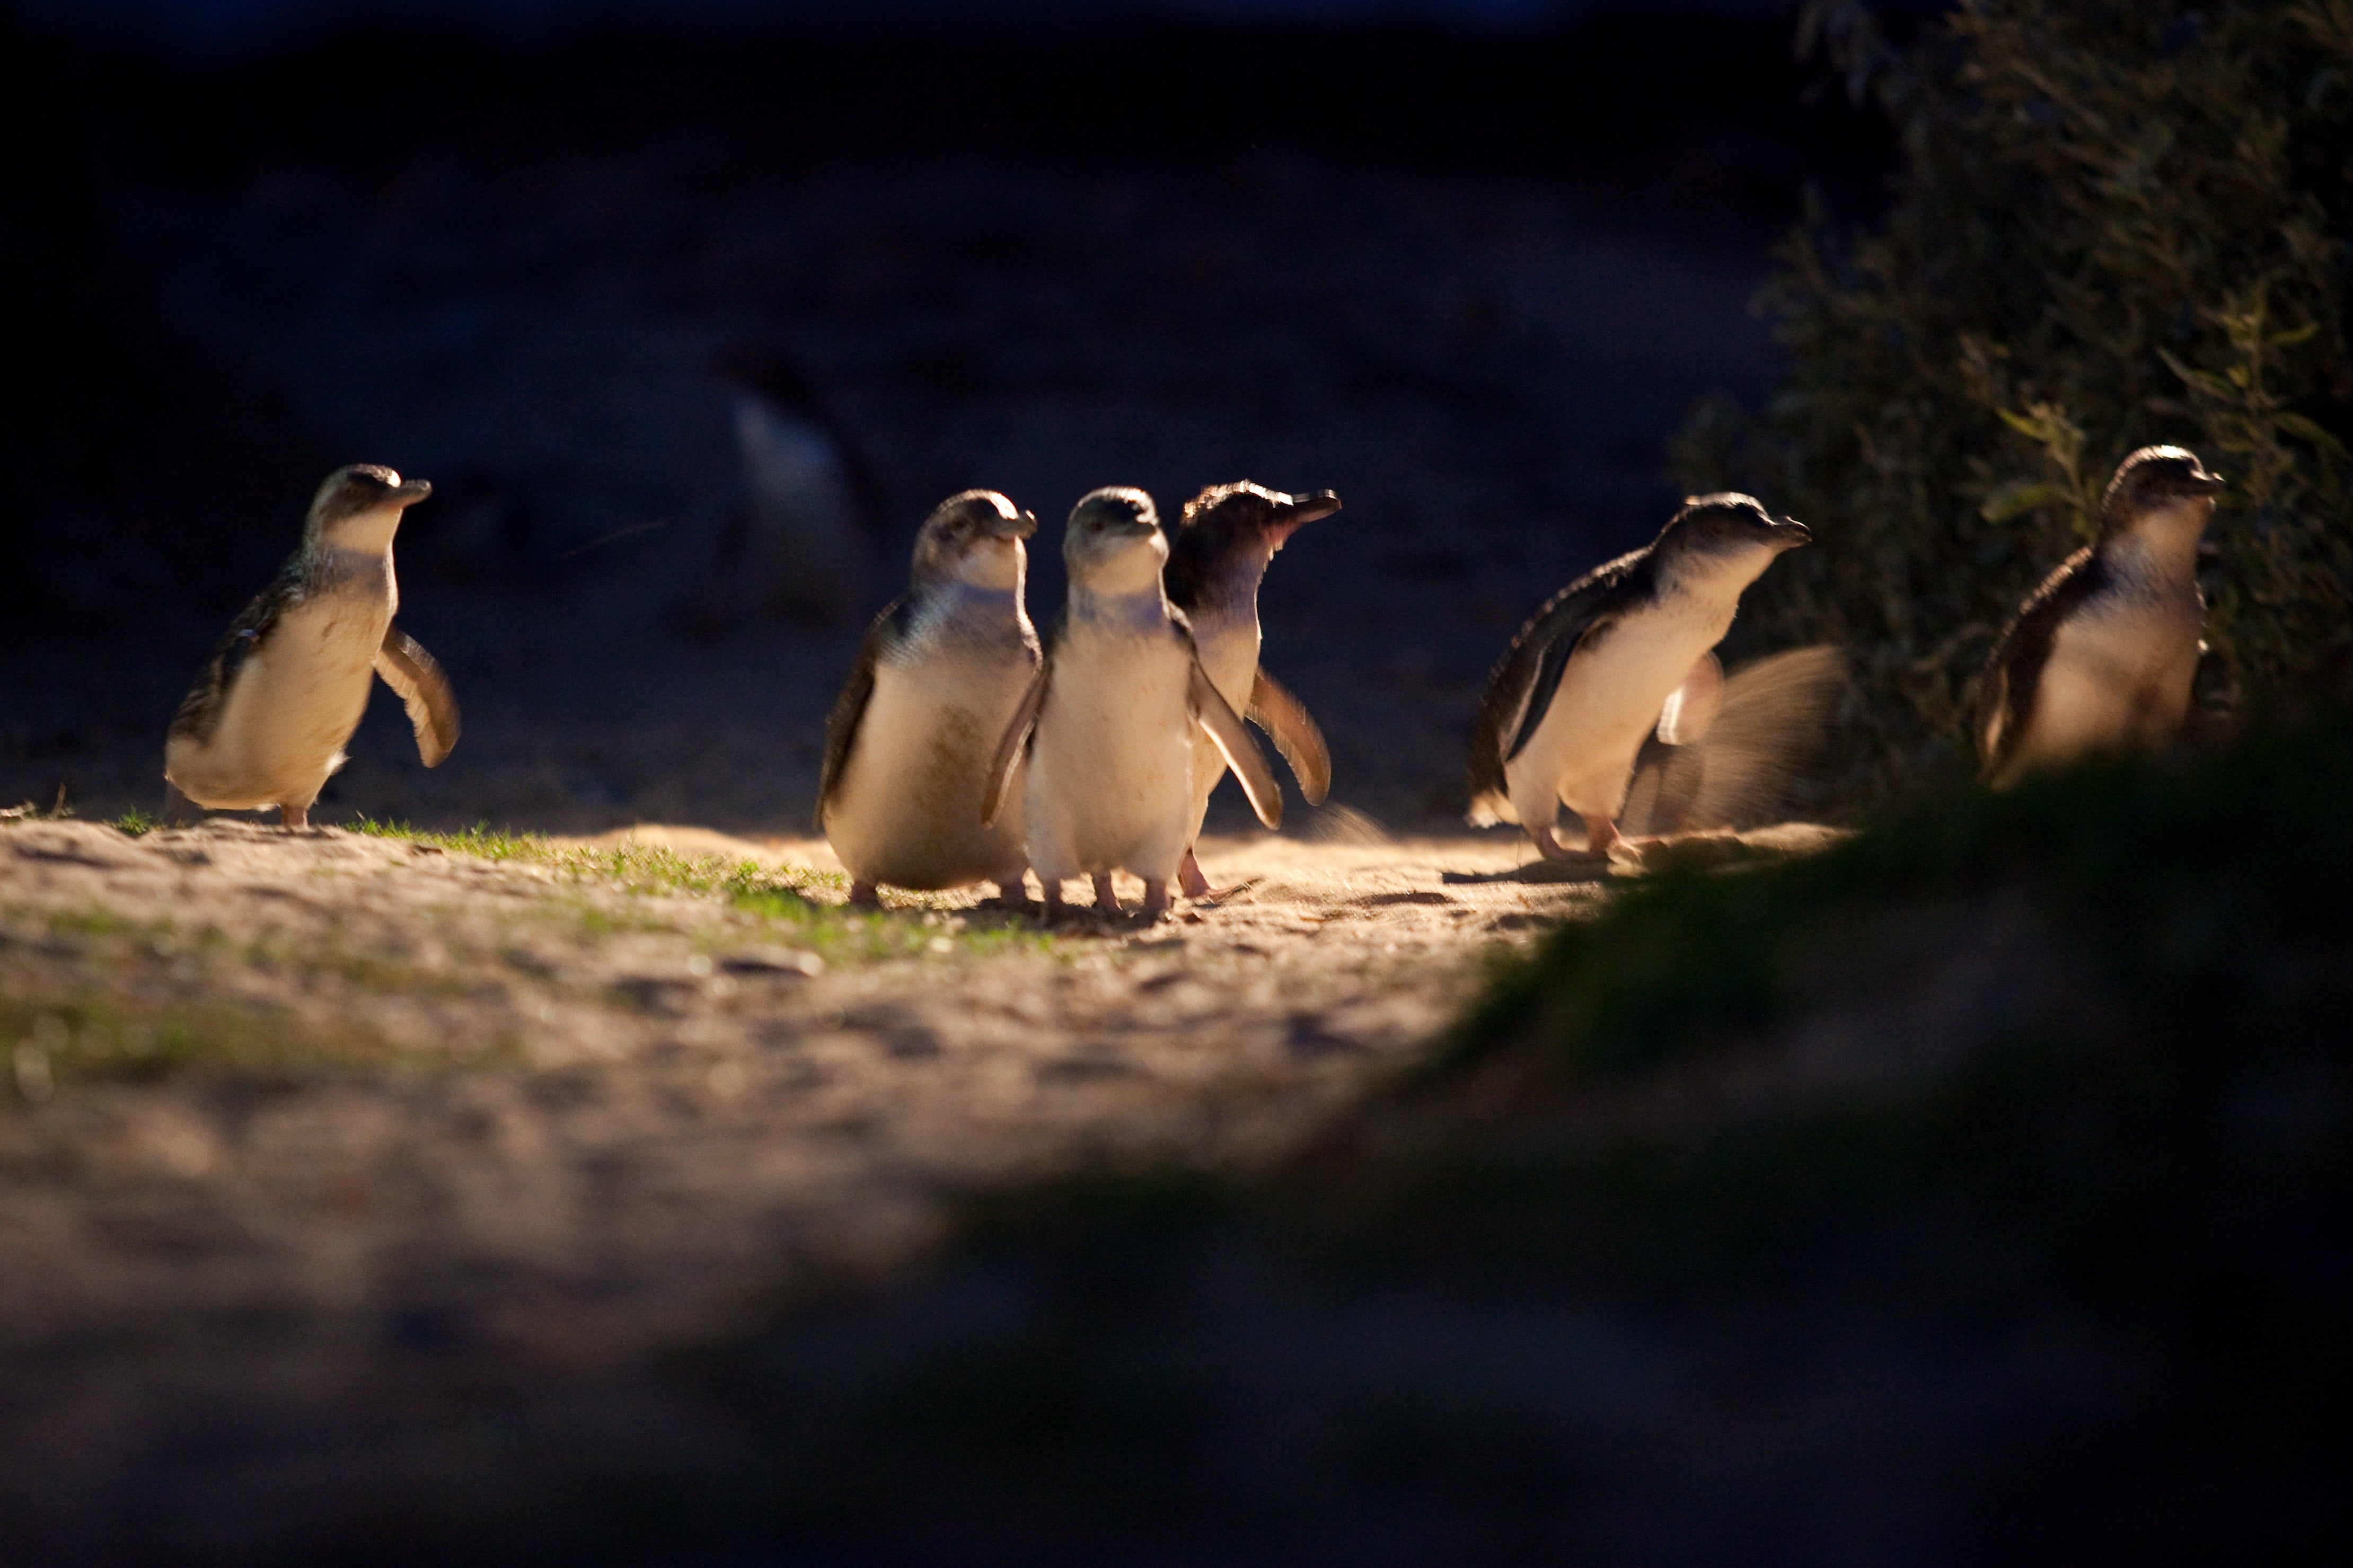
{"x": 1626, "y": 649}
{"x": 2101, "y": 657}
{"x": 801, "y": 549}
{"x": 1225, "y": 539}
{"x": 907, "y": 751}
{"x": 267, "y": 721}
{"x": 1108, "y": 724}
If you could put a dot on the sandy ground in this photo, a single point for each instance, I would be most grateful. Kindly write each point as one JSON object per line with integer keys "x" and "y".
{"x": 343, "y": 1084}
{"x": 284, "y": 1108}
{"x": 344, "y": 1077}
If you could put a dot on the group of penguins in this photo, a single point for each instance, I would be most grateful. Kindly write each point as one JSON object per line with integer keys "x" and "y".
{"x": 961, "y": 751}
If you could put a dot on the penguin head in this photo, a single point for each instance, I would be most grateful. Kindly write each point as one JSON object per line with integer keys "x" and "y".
{"x": 359, "y": 507}
{"x": 1228, "y": 518}
{"x": 973, "y": 538}
{"x": 1113, "y": 544}
{"x": 2165, "y": 489}
{"x": 1730, "y": 532}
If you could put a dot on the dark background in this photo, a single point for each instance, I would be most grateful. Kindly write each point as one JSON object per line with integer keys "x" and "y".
{"x": 1467, "y": 266}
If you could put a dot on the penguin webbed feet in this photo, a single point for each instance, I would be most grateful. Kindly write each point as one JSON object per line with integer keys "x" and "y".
{"x": 1605, "y": 848}
{"x": 1107, "y": 906}
{"x": 1193, "y": 883}
{"x": 1548, "y": 844}
{"x": 1012, "y": 893}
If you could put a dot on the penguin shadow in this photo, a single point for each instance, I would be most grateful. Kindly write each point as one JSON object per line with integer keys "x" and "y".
{"x": 1217, "y": 898}
{"x": 1584, "y": 867}
{"x": 1695, "y": 849}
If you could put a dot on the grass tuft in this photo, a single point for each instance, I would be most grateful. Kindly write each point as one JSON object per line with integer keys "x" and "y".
{"x": 778, "y": 897}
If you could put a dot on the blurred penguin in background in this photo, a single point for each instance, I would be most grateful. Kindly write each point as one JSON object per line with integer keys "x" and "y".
{"x": 800, "y": 550}
{"x": 2103, "y": 656}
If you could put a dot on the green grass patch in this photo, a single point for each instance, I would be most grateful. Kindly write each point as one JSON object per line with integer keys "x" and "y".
{"x": 46, "y": 1046}
{"x": 921, "y": 925}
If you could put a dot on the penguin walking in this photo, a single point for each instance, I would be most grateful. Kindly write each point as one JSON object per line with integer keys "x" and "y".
{"x": 801, "y": 547}
{"x": 1108, "y": 724}
{"x": 908, "y": 749}
{"x": 1625, "y": 650}
{"x": 1225, "y": 539}
{"x": 2101, "y": 657}
{"x": 267, "y": 718}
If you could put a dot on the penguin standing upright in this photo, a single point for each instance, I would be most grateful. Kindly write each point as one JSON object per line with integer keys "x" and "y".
{"x": 1224, "y": 541}
{"x": 801, "y": 547}
{"x": 1626, "y": 649}
{"x": 908, "y": 748}
{"x": 1108, "y": 725}
{"x": 2101, "y": 657}
{"x": 267, "y": 718}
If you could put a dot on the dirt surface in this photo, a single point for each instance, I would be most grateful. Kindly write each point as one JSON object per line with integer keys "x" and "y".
{"x": 302, "y": 1101}
{"x": 351, "y": 1085}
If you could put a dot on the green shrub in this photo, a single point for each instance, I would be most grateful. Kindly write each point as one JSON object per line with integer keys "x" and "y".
{"x": 2118, "y": 222}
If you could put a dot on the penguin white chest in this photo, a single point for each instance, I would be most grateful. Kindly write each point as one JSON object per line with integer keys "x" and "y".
{"x": 1228, "y": 649}
{"x": 907, "y": 810}
{"x": 1111, "y": 766}
{"x": 1609, "y": 697}
{"x": 291, "y": 706}
{"x": 2119, "y": 675}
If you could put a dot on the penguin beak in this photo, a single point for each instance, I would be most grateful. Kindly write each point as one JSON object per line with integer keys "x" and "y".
{"x": 1793, "y": 534}
{"x": 1298, "y": 511}
{"x": 1302, "y": 510}
{"x": 411, "y": 491}
{"x": 2207, "y": 485}
{"x": 1018, "y": 526}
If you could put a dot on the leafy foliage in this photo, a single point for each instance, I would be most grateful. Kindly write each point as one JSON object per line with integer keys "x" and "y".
{"x": 2119, "y": 222}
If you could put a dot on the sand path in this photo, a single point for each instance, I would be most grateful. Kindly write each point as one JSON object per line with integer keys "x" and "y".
{"x": 284, "y": 1112}
{"x": 345, "y": 1075}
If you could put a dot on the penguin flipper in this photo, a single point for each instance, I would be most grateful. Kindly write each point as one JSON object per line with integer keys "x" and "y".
{"x": 1284, "y": 717}
{"x": 1771, "y": 723}
{"x": 2014, "y": 669}
{"x": 424, "y": 691}
{"x": 1009, "y": 749}
{"x": 1524, "y": 679}
{"x": 850, "y": 709}
{"x": 1224, "y": 727}
{"x": 1692, "y": 706}
{"x": 201, "y": 708}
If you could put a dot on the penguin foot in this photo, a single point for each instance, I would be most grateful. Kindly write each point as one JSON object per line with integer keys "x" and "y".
{"x": 1551, "y": 848}
{"x": 1155, "y": 900}
{"x": 1600, "y": 833}
{"x": 293, "y": 817}
{"x": 1051, "y": 888}
{"x": 862, "y": 896}
{"x": 1189, "y": 877}
{"x": 1107, "y": 898}
{"x": 1195, "y": 886}
{"x": 1013, "y": 895}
